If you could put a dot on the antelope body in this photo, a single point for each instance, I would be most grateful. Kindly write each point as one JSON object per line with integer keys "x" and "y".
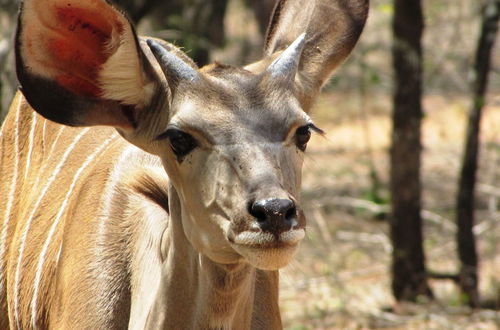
{"x": 180, "y": 204}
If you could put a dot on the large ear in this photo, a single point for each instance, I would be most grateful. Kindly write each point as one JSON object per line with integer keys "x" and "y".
{"x": 79, "y": 63}
{"x": 332, "y": 28}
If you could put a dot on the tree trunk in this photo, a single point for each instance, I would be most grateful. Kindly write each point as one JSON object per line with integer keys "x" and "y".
{"x": 468, "y": 279}
{"x": 199, "y": 23}
{"x": 409, "y": 279}
{"x": 203, "y": 27}
{"x": 262, "y": 10}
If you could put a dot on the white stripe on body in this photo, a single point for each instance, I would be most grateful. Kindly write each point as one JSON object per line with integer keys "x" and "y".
{"x": 51, "y": 152}
{"x": 51, "y": 179}
{"x": 61, "y": 129}
{"x": 30, "y": 144}
{"x": 10, "y": 200}
{"x": 59, "y": 253}
{"x": 113, "y": 180}
{"x": 105, "y": 209}
{"x": 53, "y": 227}
{"x": 43, "y": 134}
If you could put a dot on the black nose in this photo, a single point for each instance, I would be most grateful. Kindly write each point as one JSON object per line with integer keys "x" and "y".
{"x": 274, "y": 215}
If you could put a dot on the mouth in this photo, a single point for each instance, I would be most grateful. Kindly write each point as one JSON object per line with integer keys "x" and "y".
{"x": 265, "y": 250}
{"x": 262, "y": 240}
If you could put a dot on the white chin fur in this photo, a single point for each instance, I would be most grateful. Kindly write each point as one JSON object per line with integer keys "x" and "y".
{"x": 267, "y": 258}
{"x": 252, "y": 238}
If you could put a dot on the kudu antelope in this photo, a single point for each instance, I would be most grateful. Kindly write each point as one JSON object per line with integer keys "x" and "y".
{"x": 180, "y": 207}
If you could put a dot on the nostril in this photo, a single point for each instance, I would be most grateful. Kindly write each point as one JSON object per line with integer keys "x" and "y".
{"x": 291, "y": 213}
{"x": 257, "y": 210}
{"x": 260, "y": 215}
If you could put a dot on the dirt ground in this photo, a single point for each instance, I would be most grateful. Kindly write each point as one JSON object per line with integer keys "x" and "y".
{"x": 340, "y": 278}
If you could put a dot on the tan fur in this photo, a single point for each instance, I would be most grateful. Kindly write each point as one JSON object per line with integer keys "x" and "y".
{"x": 332, "y": 29}
{"x": 140, "y": 193}
{"x": 100, "y": 233}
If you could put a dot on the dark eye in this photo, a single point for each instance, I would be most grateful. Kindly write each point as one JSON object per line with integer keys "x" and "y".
{"x": 181, "y": 143}
{"x": 302, "y": 136}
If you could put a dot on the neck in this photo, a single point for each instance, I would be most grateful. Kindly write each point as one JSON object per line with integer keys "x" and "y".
{"x": 192, "y": 291}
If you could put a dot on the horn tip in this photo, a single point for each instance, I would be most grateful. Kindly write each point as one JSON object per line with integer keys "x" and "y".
{"x": 286, "y": 64}
{"x": 155, "y": 47}
{"x": 171, "y": 64}
{"x": 301, "y": 38}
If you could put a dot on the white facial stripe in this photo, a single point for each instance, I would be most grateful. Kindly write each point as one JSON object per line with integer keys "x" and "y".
{"x": 51, "y": 179}
{"x": 10, "y": 199}
{"x": 53, "y": 227}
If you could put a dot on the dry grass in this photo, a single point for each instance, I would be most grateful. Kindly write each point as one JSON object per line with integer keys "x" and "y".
{"x": 341, "y": 279}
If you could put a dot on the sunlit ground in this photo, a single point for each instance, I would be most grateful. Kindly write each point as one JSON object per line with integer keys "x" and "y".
{"x": 340, "y": 278}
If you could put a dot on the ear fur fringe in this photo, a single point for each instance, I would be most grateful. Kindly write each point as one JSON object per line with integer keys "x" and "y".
{"x": 121, "y": 77}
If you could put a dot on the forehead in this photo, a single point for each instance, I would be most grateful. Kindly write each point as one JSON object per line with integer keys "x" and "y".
{"x": 233, "y": 102}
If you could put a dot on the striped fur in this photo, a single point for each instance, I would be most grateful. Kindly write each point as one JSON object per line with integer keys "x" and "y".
{"x": 93, "y": 233}
{"x": 49, "y": 167}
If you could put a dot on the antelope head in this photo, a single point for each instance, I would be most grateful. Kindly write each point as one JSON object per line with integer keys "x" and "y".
{"x": 233, "y": 145}
{"x": 231, "y": 140}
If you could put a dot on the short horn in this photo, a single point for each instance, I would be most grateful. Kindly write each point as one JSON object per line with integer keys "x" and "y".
{"x": 172, "y": 66}
{"x": 284, "y": 67}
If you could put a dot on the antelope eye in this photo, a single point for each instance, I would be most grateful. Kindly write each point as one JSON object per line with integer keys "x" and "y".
{"x": 181, "y": 143}
{"x": 302, "y": 136}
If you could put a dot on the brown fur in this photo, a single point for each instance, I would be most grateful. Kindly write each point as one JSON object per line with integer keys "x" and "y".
{"x": 333, "y": 27}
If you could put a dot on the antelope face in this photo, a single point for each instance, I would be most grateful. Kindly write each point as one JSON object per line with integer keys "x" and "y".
{"x": 233, "y": 149}
{"x": 232, "y": 143}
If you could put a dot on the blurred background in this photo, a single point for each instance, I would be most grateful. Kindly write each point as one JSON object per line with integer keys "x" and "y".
{"x": 403, "y": 193}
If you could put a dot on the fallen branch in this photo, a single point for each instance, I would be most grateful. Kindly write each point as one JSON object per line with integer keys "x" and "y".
{"x": 365, "y": 237}
{"x": 443, "y": 276}
{"x": 489, "y": 189}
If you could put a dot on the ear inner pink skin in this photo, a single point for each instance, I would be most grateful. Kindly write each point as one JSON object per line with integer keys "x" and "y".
{"x": 81, "y": 47}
